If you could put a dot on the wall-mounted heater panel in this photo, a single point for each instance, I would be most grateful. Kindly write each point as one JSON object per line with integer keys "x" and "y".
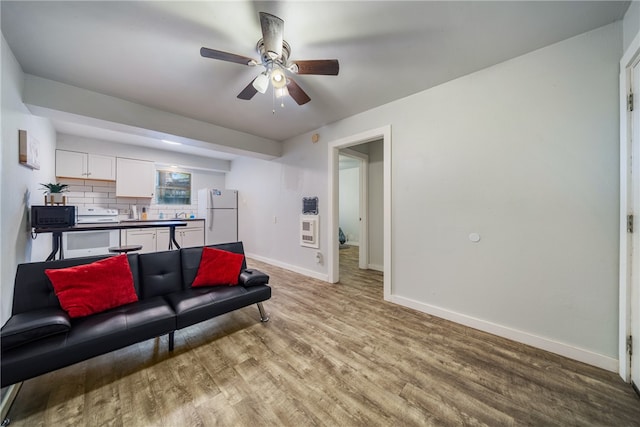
{"x": 309, "y": 231}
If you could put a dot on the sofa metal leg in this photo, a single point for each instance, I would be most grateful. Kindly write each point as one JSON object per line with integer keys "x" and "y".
{"x": 11, "y": 392}
{"x": 171, "y": 340}
{"x": 263, "y": 314}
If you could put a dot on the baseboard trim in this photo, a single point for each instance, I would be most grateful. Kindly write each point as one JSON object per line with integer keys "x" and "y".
{"x": 295, "y": 269}
{"x": 376, "y": 267}
{"x": 8, "y": 397}
{"x": 566, "y": 350}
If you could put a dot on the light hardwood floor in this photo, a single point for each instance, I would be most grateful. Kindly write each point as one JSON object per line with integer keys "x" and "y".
{"x": 332, "y": 355}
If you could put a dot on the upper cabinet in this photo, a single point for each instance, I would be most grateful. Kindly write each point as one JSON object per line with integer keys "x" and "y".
{"x": 101, "y": 167}
{"x": 135, "y": 178}
{"x": 73, "y": 164}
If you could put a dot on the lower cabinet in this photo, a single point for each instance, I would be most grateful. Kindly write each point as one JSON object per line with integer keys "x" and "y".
{"x": 162, "y": 239}
{"x": 139, "y": 236}
{"x": 157, "y": 239}
{"x": 191, "y": 235}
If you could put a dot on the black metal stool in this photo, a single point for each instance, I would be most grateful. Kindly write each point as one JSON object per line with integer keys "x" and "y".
{"x": 124, "y": 249}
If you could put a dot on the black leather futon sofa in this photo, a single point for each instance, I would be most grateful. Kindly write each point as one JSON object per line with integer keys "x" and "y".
{"x": 40, "y": 336}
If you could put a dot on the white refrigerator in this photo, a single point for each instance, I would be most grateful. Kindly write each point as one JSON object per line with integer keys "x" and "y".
{"x": 219, "y": 208}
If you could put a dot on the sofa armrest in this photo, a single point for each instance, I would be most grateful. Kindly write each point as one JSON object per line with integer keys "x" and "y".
{"x": 251, "y": 277}
{"x": 33, "y": 325}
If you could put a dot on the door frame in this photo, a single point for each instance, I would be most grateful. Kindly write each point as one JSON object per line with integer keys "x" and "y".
{"x": 627, "y": 257}
{"x": 383, "y": 133}
{"x": 363, "y": 204}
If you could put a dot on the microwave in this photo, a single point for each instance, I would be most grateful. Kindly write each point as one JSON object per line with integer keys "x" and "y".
{"x": 53, "y": 216}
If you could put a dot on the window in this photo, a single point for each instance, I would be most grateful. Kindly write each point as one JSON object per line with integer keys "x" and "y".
{"x": 173, "y": 188}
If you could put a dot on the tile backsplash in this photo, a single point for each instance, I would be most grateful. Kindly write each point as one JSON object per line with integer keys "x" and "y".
{"x": 89, "y": 193}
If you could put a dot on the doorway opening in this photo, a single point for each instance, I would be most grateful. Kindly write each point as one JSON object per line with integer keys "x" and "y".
{"x": 353, "y": 209}
{"x": 384, "y": 135}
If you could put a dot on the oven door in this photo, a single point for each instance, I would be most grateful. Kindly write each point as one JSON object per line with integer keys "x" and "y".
{"x": 88, "y": 243}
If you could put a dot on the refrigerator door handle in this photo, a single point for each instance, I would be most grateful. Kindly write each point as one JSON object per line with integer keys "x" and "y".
{"x": 210, "y": 212}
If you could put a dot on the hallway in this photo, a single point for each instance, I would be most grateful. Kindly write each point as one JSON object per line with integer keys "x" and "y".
{"x": 352, "y": 275}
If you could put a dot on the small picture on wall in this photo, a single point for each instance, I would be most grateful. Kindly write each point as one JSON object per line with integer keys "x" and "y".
{"x": 28, "y": 152}
{"x": 310, "y": 205}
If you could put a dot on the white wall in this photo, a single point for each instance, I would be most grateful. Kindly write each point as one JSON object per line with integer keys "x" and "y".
{"x": 270, "y": 204}
{"x": 49, "y": 98}
{"x": 20, "y": 184}
{"x": 258, "y": 184}
{"x": 349, "y": 204}
{"x": 630, "y": 24}
{"x": 533, "y": 168}
{"x": 525, "y": 153}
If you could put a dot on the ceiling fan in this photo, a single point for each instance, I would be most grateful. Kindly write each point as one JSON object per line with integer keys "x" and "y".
{"x": 274, "y": 53}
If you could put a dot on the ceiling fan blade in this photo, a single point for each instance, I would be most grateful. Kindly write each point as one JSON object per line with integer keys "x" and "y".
{"x": 225, "y": 56}
{"x": 296, "y": 92}
{"x": 272, "y": 34}
{"x": 327, "y": 67}
{"x": 248, "y": 92}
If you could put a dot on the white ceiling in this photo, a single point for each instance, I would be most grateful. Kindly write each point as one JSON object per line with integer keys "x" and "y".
{"x": 147, "y": 52}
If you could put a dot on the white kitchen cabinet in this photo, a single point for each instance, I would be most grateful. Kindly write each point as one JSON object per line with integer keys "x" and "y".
{"x": 192, "y": 235}
{"x": 101, "y": 167}
{"x": 162, "y": 239}
{"x": 140, "y": 236}
{"x": 157, "y": 239}
{"x": 71, "y": 164}
{"x": 135, "y": 178}
{"x": 74, "y": 164}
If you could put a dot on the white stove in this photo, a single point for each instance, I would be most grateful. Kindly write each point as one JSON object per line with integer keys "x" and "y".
{"x": 96, "y": 215}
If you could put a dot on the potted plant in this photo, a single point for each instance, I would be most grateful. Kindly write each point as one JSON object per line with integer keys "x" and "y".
{"x": 53, "y": 192}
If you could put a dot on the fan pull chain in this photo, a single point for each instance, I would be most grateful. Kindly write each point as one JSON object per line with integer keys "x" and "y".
{"x": 273, "y": 100}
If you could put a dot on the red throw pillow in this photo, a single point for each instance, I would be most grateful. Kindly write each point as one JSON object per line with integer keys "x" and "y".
{"x": 92, "y": 288}
{"x": 218, "y": 267}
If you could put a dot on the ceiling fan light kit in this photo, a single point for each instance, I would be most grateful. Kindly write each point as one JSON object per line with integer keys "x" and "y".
{"x": 274, "y": 52}
{"x": 278, "y": 79}
{"x": 261, "y": 83}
